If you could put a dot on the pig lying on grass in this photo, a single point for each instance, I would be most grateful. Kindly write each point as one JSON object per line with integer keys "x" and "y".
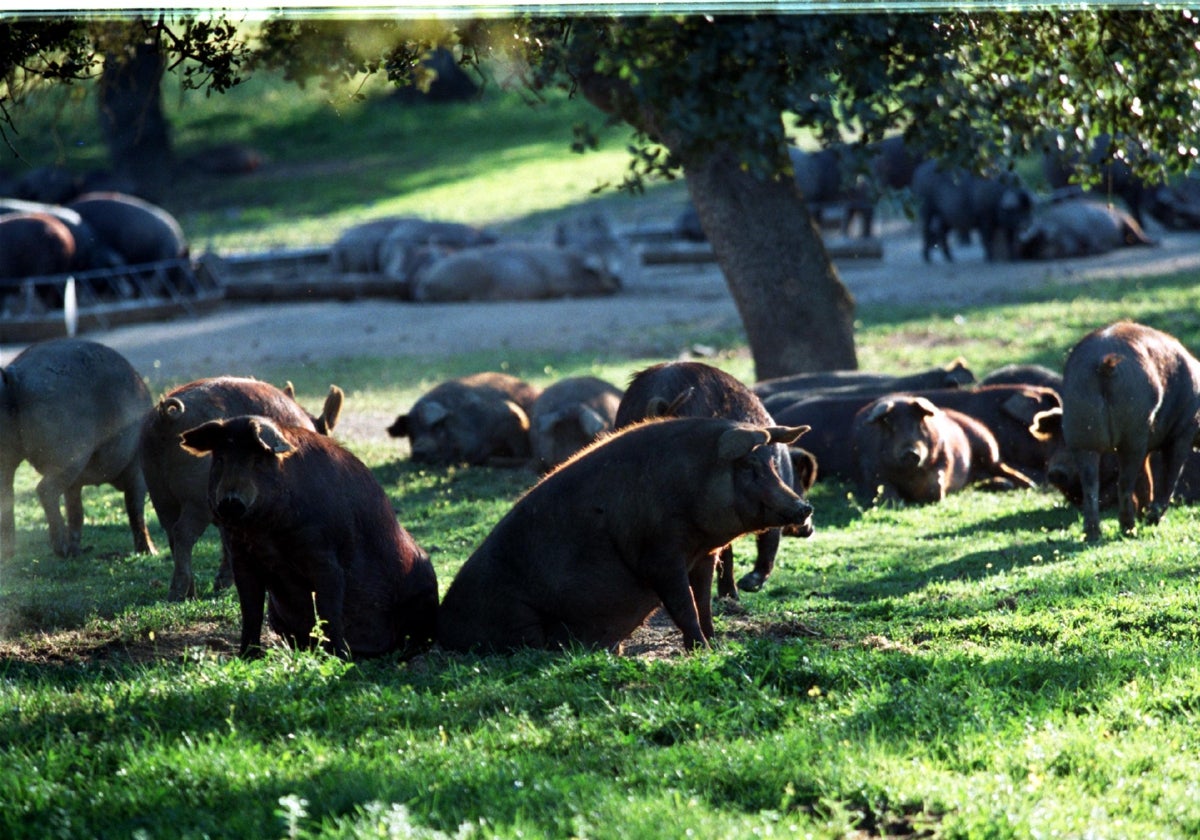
{"x": 909, "y": 449}
{"x": 632, "y": 522}
{"x": 309, "y": 530}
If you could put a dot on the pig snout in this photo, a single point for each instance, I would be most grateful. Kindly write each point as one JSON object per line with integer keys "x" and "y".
{"x": 802, "y": 524}
{"x": 910, "y": 455}
{"x": 231, "y": 508}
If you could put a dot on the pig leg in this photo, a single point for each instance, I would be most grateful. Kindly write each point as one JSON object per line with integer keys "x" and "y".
{"x": 1088, "y": 463}
{"x": 1130, "y": 467}
{"x": 1175, "y": 455}
{"x": 133, "y": 487}
{"x": 252, "y": 596}
{"x": 726, "y": 587}
{"x": 8, "y": 528}
{"x": 50, "y": 491}
{"x": 764, "y": 563}
{"x": 184, "y": 534}
{"x": 74, "y": 504}
{"x": 674, "y": 589}
{"x": 700, "y": 580}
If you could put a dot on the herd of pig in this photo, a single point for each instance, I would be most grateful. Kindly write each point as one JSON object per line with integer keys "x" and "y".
{"x": 643, "y": 489}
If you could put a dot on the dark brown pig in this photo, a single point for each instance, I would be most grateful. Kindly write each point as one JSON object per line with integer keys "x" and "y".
{"x": 568, "y": 416}
{"x": 1008, "y": 412}
{"x": 629, "y": 524}
{"x": 73, "y": 409}
{"x": 1024, "y": 374}
{"x": 696, "y": 389}
{"x": 1132, "y": 390}
{"x": 909, "y": 449}
{"x": 178, "y": 481}
{"x": 954, "y": 375}
{"x": 475, "y": 419}
{"x": 308, "y": 528}
{"x": 139, "y": 231}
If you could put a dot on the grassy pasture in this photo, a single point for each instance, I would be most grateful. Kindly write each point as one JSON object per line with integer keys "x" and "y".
{"x": 966, "y": 670}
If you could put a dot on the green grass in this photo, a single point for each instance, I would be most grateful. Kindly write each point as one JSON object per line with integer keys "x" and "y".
{"x": 966, "y": 670}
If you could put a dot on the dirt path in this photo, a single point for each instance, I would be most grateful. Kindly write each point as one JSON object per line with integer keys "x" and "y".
{"x": 655, "y": 308}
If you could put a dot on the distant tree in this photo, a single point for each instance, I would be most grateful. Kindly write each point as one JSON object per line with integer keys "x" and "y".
{"x": 128, "y": 58}
{"x": 713, "y": 97}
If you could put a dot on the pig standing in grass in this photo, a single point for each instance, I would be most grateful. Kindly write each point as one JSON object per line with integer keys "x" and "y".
{"x": 178, "y": 481}
{"x": 909, "y": 449}
{"x": 309, "y": 529}
{"x": 1133, "y": 390}
{"x": 73, "y": 409}
{"x": 476, "y": 419}
{"x": 630, "y": 523}
{"x": 568, "y": 416}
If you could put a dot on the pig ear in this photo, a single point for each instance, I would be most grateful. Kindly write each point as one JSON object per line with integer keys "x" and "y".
{"x": 740, "y": 441}
{"x": 787, "y": 434}
{"x": 958, "y": 373}
{"x": 804, "y": 467}
{"x": 1047, "y": 424}
{"x": 332, "y": 410}
{"x": 431, "y": 412}
{"x": 202, "y": 439}
{"x": 519, "y": 413}
{"x": 592, "y": 422}
{"x": 1020, "y": 407}
{"x": 289, "y": 389}
{"x": 879, "y": 411}
{"x": 271, "y": 438}
{"x": 925, "y": 406}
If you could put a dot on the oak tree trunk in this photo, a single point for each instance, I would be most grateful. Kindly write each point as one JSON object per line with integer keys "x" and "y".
{"x": 132, "y": 119}
{"x": 797, "y": 314}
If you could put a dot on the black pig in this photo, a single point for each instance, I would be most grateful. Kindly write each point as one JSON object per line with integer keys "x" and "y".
{"x": 909, "y": 449}
{"x": 308, "y": 528}
{"x": 1132, "y": 390}
{"x": 568, "y": 416}
{"x": 178, "y": 482}
{"x": 695, "y": 389}
{"x": 476, "y": 419}
{"x": 630, "y": 523}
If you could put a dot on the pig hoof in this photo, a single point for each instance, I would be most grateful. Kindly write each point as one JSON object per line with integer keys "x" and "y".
{"x": 752, "y": 581}
{"x": 182, "y": 591}
{"x": 1091, "y": 534}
